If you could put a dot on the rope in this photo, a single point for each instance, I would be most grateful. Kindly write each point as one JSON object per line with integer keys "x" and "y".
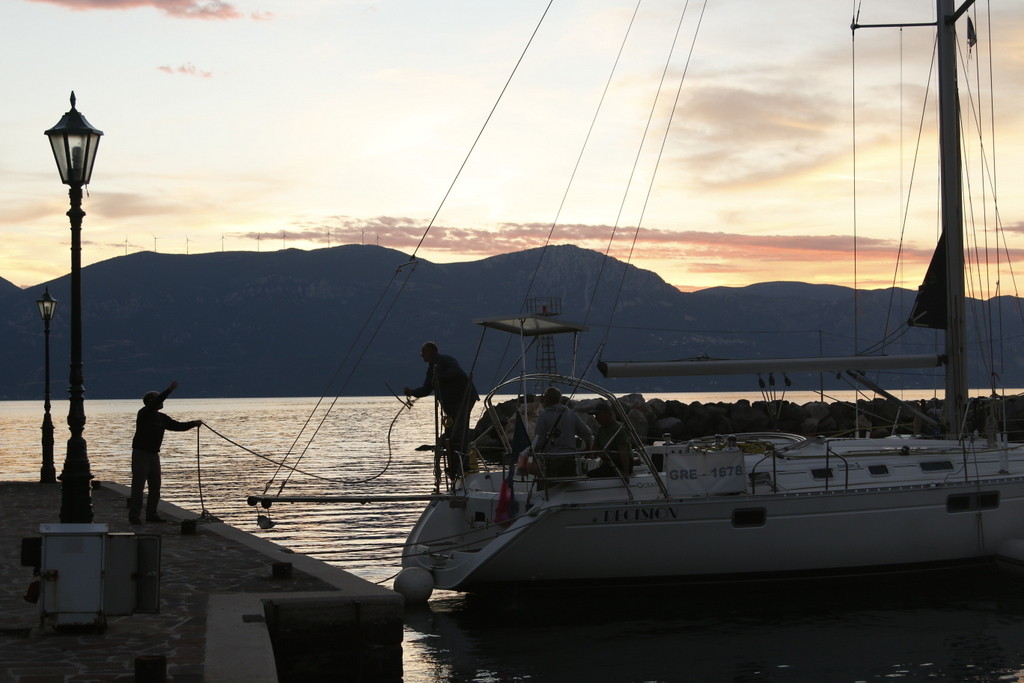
{"x": 295, "y": 469}
{"x": 199, "y": 476}
{"x": 344, "y": 383}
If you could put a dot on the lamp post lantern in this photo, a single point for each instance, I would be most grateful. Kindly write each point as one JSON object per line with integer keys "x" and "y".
{"x": 47, "y": 306}
{"x": 74, "y": 144}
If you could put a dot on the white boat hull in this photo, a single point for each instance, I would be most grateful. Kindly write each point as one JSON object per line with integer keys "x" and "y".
{"x": 576, "y": 534}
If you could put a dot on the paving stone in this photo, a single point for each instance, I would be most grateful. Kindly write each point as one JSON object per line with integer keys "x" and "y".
{"x": 193, "y": 566}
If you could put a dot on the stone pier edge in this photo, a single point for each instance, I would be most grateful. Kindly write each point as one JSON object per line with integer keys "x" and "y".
{"x": 238, "y": 644}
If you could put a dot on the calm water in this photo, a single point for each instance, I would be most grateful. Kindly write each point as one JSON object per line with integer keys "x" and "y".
{"x": 970, "y": 629}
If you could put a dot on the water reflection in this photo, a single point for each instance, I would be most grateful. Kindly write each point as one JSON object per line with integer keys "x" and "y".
{"x": 955, "y": 628}
{"x": 966, "y": 628}
{"x": 350, "y": 455}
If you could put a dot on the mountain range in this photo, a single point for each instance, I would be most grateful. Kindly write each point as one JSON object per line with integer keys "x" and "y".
{"x": 349, "y": 320}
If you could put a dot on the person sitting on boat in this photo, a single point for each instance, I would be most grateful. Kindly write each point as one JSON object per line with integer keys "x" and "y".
{"x": 613, "y": 444}
{"x": 455, "y": 392}
{"x": 555, "y": 434}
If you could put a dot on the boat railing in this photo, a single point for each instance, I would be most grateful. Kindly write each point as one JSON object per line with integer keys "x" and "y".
{"x": 829, "y": 454}
{"x": 581, "y": 468}
{"x": 577, "y": 385}
{"x": 772, "y": 455}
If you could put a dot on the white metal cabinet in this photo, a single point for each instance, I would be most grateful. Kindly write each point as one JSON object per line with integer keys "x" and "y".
{"x": 71, "y": 574}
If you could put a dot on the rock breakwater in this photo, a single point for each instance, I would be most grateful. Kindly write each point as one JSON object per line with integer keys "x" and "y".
{"x": 656, "y": 419}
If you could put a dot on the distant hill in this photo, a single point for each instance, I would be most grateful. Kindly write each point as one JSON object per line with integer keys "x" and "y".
{"x": 349, "y": 320}
{"x": 797, "y": 290}
{"x": 7, "y": 286}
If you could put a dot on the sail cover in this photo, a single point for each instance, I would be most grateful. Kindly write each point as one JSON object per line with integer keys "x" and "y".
{"x": 930, "y": 306}
{"x": 690, "y": 368}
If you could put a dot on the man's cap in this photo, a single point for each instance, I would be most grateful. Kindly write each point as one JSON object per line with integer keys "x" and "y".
{"x": 151, "y": 397}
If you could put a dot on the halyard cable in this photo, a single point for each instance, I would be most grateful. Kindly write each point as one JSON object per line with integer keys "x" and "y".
{"x": 413, "y": 260}
{"x": 583, "y": 149}
{"x": 661, "y": 150}
{"x": 575, "y": 169}
{"x": 668, "y": 61}
{"x": 482, "y": 129}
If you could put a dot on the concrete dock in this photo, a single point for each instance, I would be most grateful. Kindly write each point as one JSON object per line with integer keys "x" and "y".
{"x": 222, "y": 605}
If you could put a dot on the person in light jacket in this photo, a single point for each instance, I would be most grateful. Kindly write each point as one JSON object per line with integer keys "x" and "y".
{"x": 555, "y": 434}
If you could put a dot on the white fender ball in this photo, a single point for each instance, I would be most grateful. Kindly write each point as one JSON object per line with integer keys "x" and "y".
{"x": 415, "y": 584}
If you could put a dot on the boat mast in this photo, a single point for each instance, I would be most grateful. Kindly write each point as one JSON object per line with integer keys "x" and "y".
{"x": 952, "y": 213}
{"x": 951, "y": 199}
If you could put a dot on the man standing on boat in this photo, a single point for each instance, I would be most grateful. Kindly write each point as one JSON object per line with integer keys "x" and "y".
{"x": 455, "y": 392}
{"x": 150, "y": 425}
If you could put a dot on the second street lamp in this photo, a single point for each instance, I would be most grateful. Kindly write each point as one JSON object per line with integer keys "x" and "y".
{"x": 47, "y": 306}
{"x": 74, "y": 144}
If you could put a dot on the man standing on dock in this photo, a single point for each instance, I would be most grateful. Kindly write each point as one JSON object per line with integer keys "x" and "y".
{"x": 456, "y": 394}
{"x": 150, "y": 425}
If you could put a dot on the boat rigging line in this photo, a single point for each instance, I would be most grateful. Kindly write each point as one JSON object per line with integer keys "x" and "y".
{"x": 654, "y": 172}
{"x": 633, "y": 171}
{"x": 572, "y": 178}
{"x": 986, "y": 310}
{"x": 479, "y": 134}
{"x": 405, "y": 267}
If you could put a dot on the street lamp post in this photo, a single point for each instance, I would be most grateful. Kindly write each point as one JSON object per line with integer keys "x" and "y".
{"x": 74, "y": 144}
{"x": 47, "y": 474}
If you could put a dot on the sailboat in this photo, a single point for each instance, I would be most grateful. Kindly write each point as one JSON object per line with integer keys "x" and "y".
{"x": 752, "y": 506}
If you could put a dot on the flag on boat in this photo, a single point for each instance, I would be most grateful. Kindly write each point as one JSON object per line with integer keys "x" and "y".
{"x": 507, "y": 506}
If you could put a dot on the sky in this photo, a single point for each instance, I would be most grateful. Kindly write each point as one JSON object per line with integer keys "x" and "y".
{"x": 716, "y": 143}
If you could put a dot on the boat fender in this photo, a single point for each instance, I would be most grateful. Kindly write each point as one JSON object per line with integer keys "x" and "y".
{"x": 523, "y": 461}
{"x": 415, "y": 584}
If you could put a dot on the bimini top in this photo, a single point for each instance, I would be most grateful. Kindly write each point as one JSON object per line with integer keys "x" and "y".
{"x": 530, "y": 325}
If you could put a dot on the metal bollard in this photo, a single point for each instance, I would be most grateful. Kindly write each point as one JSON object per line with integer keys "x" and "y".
{"x": 151, "y": 669}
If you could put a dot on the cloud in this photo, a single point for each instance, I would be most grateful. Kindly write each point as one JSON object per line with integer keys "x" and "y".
{"x": 689, "y": 260}
{"x": 740, "y": 137}
{"x": 695, "y": 251}
{"x": 187, "y": 69}
{"x": 180, "y": 9}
